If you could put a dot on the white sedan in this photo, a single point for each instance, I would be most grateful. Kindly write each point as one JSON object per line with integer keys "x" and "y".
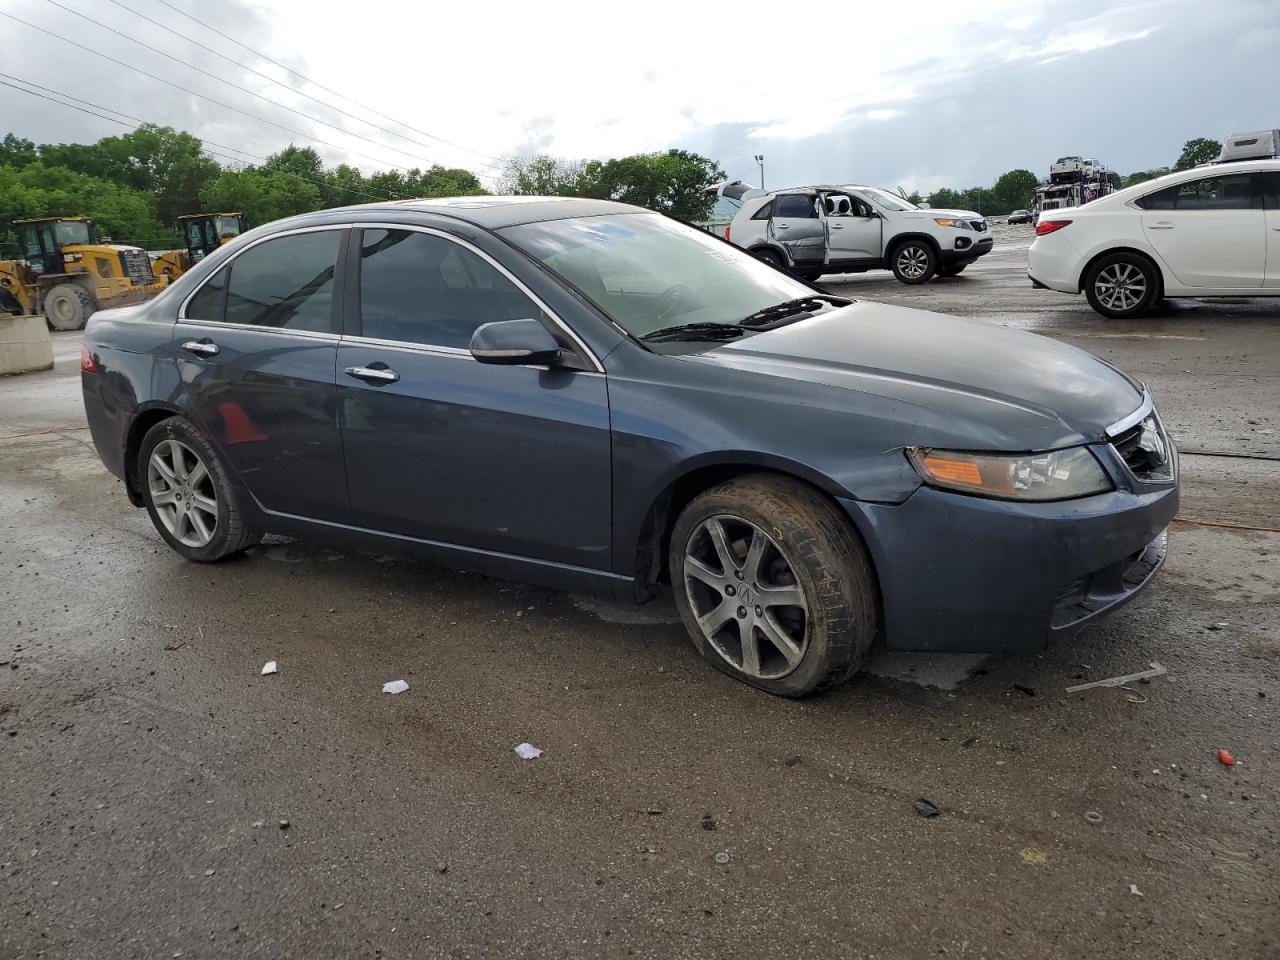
{"x": 1212, "y": 231}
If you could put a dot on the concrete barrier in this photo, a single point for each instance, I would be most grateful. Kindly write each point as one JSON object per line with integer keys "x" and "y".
{"x": 24, "y": 344}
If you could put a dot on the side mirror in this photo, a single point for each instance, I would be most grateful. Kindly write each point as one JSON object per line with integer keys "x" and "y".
{"x": 514, "y": 342}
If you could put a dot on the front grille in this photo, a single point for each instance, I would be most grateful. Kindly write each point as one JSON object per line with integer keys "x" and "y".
{"x": 1144, "y": 448}
{"x": 137, "y": 267}
{"x": 979, "y": 225}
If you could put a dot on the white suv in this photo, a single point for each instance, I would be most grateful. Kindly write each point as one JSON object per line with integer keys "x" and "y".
{"x": 812, "y": 231}
{"x": 1212, "y": 231}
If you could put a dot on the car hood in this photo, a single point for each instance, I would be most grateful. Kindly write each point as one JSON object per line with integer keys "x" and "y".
{"x": 955, "y": 381}
{"x": 942, "y": 212}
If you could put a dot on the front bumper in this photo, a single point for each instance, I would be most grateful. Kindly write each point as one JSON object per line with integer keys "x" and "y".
{"x": 976, "y": 248}
{"x": 962, "y": 573}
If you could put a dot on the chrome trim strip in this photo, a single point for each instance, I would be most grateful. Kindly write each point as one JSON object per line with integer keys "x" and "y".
{"x": 455, "y": 352}
{"x": 555, "y": 318}
{"x": 1133, "y": 419}
{"x": 182, "y": 310}
{"x": 278, "y": 331}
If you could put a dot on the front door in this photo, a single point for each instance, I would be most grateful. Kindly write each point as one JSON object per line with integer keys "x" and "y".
{"x": 853, "y": 229}
{"x": 256, "y": 348}
{"x": 40, "y": 249}
{"x": 1272, "y": 182}
{"x": 440, "y": 447}
{"x": 1211, "y": 232}
{"x": 797, "y": 228}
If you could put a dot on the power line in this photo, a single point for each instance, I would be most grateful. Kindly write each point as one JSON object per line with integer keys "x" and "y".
{"x": 235, "y": 86}
{"x": 316, "y": 83}
{"x": 123, "y": 123}
{"x": 201, "y": 96}
{"x": 271, "y": 79}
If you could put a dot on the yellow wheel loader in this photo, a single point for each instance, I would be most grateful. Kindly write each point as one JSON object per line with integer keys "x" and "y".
{"x": 202, "y": 233}
{"x": 66, "y": 274}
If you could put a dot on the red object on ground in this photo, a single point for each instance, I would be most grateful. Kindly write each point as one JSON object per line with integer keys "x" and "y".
{"x": 1225, "y": 758}
{"x": 240, "y": 429}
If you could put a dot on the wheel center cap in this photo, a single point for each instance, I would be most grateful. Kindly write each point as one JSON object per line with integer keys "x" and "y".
{"x": 745, "y": 595}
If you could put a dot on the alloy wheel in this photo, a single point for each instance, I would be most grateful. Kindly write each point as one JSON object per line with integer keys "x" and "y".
{"x": 746, "y": 598}
{"x": 1120, "y": 286}
{"x": 182, "y": 493}
{"x": 913, "y": 261}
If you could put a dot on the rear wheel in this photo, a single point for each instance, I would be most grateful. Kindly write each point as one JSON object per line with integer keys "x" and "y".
{"x": 67, "y": 307}
{"x": 914, "y": 261}
{"x": 1122, "y": 285}
{"x": 771, "y": 258}
{"x": 188, "y": 494}
{"x": 773, "y": 585}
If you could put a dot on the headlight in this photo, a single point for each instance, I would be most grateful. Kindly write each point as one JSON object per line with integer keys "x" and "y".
{"x": 952, "y": 222}
{"x": 1056, "y": 475}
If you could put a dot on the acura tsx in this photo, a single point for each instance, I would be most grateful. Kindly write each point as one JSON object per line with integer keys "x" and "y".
{"x": 590, "y": 396}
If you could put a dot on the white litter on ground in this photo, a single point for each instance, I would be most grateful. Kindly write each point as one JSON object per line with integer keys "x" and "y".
{"x": 527, "y": 751}
{"x": 269, "y": 667}
{"x": 1133, "y": 888}
{"x": 1157, "y": 670}
{"x": 395, "y": 686}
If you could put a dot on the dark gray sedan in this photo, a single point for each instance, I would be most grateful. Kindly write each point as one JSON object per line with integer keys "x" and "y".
{"x": 587, "y": 395}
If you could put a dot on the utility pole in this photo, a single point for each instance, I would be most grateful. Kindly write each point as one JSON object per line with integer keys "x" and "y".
{"x": 760, "y": 160}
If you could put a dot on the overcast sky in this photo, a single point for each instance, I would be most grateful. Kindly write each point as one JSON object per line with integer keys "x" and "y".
{"x": 920, "y": 95}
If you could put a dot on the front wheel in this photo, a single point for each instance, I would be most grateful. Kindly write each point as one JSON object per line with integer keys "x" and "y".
{"x": 773, "y": 585}
{"x": 68, "y": 306}
{"x": 188, "y": 494}
{"x": 1122, "y": 285}
{"x": 952, "y": 271}
{"x": 913, "y": 262}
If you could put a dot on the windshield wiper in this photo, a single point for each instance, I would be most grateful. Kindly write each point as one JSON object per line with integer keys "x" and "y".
{"x": 696, "y": 331}
{"x": 789, "y": 307}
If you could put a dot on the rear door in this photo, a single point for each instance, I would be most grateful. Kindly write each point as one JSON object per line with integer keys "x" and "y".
{"x": 258, "y": 342}
{"x": 797, "y": 228}
{"x": 512, "y": 459}
{"x": 1271, "y": 183}
{"x": 1212, "y": 231}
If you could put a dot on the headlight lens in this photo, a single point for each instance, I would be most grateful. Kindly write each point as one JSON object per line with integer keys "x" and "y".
{"x": 1056, "y": 475}
{"x": 952, "y": 222}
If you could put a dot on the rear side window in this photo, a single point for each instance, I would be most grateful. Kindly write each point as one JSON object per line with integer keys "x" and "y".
{"x": 1231, "y": 192}
{"x": 764, "y": 212}
{"x": 210, "y": 300}
{"x": 285, "y": 283}
{"x": 795, "y": 206}
{"x": 421, "y": 288}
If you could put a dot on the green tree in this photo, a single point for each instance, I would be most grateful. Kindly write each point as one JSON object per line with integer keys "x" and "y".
{"x": 17, "y": 152}
{"x": 1014, "y": 190}
{"x": 1197, "y": 151}
{"x": 672, "y": 182}
{"x": 262, "y": 195}
{"x": 945, "y": 197}
{"x": 542, "y": 176}
{"x": 1142, "y": 176}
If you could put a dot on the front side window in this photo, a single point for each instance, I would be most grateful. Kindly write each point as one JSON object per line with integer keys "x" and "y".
{"x": 285, "y": 283}
{"x": 1230, "y": 192}
{"x": 422, "y": 288}
{"x": 647, "y": 271}
{"x": 795, "y": 206}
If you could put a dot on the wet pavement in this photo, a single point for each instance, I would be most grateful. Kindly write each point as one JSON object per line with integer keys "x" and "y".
{"x": 148, "y": 770}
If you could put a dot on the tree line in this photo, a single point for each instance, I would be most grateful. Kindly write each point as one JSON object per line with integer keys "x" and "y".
{"x": 1016, "y": 189}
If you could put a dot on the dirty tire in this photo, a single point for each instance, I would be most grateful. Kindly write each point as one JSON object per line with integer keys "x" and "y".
{"x": 67, "y": 307}
{"x": 821, "y": 549}
{"x": 231, "y": 535}
{"x": 811, "y": 276}
{"x": 1122, "y": 285}
{"x": 952, "y": 271}
{"x": 770, "y": 257}
{"x": 914, "y": 261}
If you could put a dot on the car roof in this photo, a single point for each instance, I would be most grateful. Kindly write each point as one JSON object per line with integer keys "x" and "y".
{"x": 494, "y": 213}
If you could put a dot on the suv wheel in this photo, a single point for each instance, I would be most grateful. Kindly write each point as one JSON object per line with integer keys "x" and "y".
{"x": 773, "y": 585}
{"x": 1122, "y": 285}
{"x": 188, "y": 494}
{"x": 953, "y": 271}
{"x": 770, "y": 257}
{"x": 914, "y": 261}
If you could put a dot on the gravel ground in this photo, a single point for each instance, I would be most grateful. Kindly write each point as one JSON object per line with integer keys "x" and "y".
{"x": 149, "y": 771}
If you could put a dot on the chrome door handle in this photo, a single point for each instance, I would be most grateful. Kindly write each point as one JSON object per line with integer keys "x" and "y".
{"x": 837, "y": 226}
{"x": 781, "y": 226}
{"x": 206, "y": 348}
{"x": 373, "y": 374}
{"x": 1162, "y": 225}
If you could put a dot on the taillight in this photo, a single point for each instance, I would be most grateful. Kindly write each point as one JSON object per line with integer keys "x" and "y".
{"x": 1045, "y": 227}
{"x": 86, "y": 361}
{"x": 727, "y": 231}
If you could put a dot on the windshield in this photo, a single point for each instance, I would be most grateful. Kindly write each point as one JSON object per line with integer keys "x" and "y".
{"x": 228, "y": 227}
{"x": 887, "y": 200}
{"x": 71, "y": 231}
{"x": 649, "y": 272}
